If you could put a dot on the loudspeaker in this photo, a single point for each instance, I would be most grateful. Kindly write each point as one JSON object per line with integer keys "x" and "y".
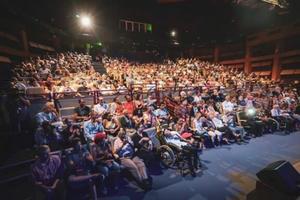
{"x": 281, "y": 176}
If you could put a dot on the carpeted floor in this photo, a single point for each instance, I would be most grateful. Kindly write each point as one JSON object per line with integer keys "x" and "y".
{"x": 228, "y": 171}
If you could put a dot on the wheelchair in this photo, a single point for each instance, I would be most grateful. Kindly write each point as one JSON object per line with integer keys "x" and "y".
{"x": 174, "y": 152}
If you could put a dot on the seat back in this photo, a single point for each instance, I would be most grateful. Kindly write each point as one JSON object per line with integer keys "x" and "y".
{"x": 241, "y": 117}
{"x": 152, "y": 134}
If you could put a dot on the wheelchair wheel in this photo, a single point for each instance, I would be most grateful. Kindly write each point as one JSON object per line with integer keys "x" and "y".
{"x": 167, "y": 156}
{"x": 275, "y": 125}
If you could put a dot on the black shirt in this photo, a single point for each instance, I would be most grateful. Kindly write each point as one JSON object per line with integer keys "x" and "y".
{"x": 85, "y": 111}
{"x": 138, "y": 112}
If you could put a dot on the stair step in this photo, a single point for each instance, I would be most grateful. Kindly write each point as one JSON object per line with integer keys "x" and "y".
{"x": 99, "y": 68}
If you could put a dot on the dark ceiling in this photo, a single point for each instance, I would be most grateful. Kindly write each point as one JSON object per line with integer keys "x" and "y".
{"x": 194, "y": 20}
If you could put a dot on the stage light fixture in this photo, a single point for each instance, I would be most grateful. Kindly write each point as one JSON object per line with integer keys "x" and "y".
{"x": 173, "y": 33}
{"x": 85, "y": 21}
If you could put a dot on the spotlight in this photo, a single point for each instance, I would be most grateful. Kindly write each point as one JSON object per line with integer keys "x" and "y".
{"x": 173, "y": 33}
{"x": 85, "y": 21}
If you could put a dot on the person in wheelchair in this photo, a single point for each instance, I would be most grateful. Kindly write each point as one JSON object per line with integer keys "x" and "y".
{"x": 181, "y": 126}
{"x": 256, "y": 125}
{"x": 283, "y": 118}
{"x": 162, "y": 114}
{"x": 187, "y": 150}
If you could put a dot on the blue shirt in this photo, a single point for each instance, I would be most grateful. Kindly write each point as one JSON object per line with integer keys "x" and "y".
{"x": 126, "y": 151}
{"x": 42, "y": 116}
{"x": 92, "y": 128}
{"x": 81, "y": 164}
{"x": 161, "y": 113}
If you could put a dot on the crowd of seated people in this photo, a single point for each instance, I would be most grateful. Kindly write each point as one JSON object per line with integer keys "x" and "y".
{"x": 65, "y": 74}
{"x": 205, "y": 113}
{"x": 117, "y": 139}
{"x": 72, "y": 73}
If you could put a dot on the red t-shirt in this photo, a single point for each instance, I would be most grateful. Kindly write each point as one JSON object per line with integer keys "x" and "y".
{"x": 129, "y": 106}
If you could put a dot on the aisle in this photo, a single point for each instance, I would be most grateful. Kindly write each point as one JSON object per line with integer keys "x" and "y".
{"x": 229, "y": 171}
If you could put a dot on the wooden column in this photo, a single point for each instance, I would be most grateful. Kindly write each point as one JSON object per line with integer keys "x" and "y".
{"x": 247, "y": 64}
{"x": 126, "y": 26}
{"x": 216, "y": 54}
{"x": 276, "y": 68}
{"x": 132, "y": 26}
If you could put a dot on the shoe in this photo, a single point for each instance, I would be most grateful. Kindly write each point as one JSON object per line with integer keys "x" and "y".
{"x": 226, "y": 142}
{"x": 193, "y": 173}
{"x": 145, "y": 185}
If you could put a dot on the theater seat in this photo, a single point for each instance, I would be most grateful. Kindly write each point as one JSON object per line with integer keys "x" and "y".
{"x": 66, "y": 111}
{"x": 287, "y": 72}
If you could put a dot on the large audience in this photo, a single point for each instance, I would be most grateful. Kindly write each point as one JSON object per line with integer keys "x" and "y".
{"x": 204, "y": 105}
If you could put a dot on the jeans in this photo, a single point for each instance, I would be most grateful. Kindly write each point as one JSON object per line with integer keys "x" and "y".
{"x": 110, "y": 171}
{"x": 239, "y": 129}
{"x": 106, "y": 169}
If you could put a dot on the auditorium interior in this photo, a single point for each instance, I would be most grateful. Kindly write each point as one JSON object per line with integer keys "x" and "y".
{"x": 152, "y": 99}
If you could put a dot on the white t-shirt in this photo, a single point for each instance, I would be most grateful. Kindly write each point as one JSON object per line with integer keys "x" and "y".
{"x": 99, "y": 109}
{"x": 217, "y": 122}
{"x": 275, "y": 112}
{"x": 174, "y": 138}
{"x": 227, "y": 106}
